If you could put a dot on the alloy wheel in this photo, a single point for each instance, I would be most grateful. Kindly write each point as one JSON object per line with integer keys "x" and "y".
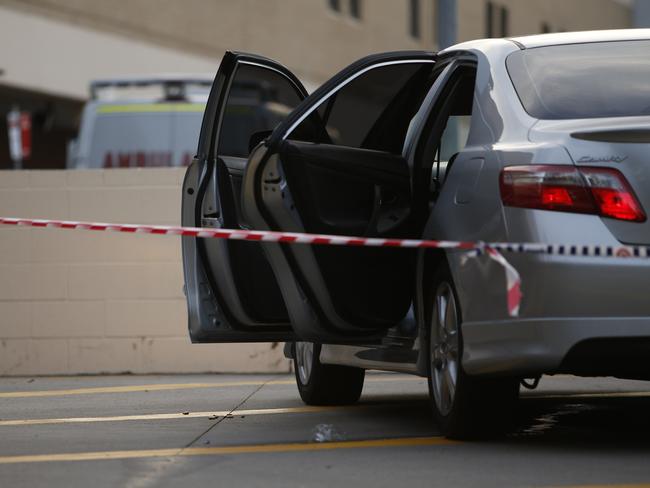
{"x": 444, "y": 348}
{"x": 304, "y": 360}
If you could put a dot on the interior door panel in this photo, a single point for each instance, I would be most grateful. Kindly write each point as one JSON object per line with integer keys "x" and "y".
{"x": 255, "y": 286}
{"x": 347, "y": 191}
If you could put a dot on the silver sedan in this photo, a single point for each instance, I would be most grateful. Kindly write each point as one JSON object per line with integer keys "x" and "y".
{"x": 534, "y": 139}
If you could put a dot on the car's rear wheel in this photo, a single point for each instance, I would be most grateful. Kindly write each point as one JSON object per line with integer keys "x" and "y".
{"x": 464, "y": 406}
{"x": 325, "y": 384}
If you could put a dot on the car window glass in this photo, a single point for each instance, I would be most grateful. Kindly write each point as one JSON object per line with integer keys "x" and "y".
{"x": 446, "y": 131}
{"x": 457, "y": 107}
{"x": 373, "y": 111}
{"x": 601, "y": 79}
{"x": 454, "y": 137}
{"x": 258, "y": 100}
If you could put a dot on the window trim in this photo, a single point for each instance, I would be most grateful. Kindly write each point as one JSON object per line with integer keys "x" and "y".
{"x": 270, "y": 68}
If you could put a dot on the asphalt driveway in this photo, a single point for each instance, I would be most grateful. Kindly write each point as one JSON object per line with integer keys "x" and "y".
{"x": 243, "y": 430}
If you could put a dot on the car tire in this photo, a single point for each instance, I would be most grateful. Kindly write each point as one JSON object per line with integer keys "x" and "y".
{"x": 464, "y": 406}
{"x": 325, "y": 384}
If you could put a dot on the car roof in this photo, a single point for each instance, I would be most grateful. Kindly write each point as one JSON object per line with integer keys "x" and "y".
{"x": 560, "y": 38}
{"x": 555, "y": 39}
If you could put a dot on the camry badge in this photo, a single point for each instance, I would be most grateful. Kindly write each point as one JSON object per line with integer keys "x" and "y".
{"x": 608, "y": 159}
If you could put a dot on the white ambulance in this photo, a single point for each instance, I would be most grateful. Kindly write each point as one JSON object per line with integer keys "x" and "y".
{"x": 140, "y": 122}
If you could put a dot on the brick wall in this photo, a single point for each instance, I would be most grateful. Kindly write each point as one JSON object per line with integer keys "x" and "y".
{"x": 89, "y": 302}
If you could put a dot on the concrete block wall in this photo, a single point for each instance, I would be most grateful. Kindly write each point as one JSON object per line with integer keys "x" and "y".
{"x": 82, "y": 302}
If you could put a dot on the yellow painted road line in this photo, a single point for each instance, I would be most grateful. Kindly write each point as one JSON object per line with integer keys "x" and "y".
{"x": 217, "y": 451}
{"x": 172, "y": 386}
{"x": 125, "y": 389}
{"x": 172, "y": 416}
{"x": 615, "y": 485}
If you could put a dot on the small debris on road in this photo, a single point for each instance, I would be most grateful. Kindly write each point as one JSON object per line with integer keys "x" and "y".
{"x": 326, "y": 433}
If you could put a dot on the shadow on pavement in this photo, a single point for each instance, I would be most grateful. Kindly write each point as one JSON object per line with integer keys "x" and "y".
{"x": 597, "y": 422}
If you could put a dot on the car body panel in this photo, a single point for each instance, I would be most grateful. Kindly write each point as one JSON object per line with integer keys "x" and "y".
{"x": 531, "y": 347}
{"x": 566, "y": 300}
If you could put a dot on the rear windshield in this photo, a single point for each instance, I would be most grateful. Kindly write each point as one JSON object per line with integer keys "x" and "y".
{"x": 604, "y": 79}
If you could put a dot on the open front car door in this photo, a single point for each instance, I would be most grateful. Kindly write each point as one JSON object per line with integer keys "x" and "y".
{"x": 336, "y": 165}
{"x": 232, "y": 294}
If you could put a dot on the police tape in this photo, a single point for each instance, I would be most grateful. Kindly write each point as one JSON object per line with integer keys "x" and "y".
{"x": 492, "y": 249}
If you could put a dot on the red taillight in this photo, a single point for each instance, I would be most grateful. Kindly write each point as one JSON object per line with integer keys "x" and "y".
{"x": 545, "y": 187}
{"x": 556, "y": 196}
{"x": 613, "y": 194}
{"x": 600, "y": 191}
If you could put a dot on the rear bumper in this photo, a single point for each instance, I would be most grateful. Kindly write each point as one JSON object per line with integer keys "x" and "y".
{"x": 567, "y": 300}
{"x": 529, "y": 347}
{"x": 553, "y": 287}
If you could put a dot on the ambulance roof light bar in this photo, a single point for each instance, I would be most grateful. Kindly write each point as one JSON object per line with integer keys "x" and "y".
{"x": 173, "y": 85}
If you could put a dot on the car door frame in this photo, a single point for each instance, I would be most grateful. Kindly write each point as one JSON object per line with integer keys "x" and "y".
{"x": 437, "y": 225}
{"x": 215, "y": 313}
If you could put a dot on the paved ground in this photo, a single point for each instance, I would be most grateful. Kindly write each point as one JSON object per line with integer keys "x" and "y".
{"x": 217, "y": 430}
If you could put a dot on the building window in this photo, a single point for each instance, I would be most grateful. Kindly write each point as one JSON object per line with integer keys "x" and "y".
{"x": 494, "y": 14}
{"x": 505, "y": 20}
{"x": 335, "y": 5}
{"x": 355, "y": 9}
{"x": 489, "y": 19}
{"x": 414, "y": 19}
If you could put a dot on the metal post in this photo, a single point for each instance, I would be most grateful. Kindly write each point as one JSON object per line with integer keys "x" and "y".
{"x": 447, "y": 23}
{"x": 641, "y": 13}
{"x": 14, "y": 133}
{"x": 447, "y": 20}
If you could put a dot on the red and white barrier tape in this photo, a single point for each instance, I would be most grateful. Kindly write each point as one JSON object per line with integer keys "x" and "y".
{"x": 492, "y": 249}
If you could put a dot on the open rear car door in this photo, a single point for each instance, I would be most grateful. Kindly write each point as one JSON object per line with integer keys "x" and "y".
{"x": 231, "y": 291}
{"x": 337, "y": 165}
